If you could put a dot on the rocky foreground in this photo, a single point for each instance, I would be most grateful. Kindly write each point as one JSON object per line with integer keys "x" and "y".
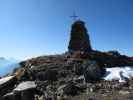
{"x": 64, "y": 77}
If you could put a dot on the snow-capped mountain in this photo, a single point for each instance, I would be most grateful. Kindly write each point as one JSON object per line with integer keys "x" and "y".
{"x": 7, "y": 65}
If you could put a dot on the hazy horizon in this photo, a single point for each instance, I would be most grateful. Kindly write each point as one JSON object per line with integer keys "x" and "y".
{"x": 30, "y": 28}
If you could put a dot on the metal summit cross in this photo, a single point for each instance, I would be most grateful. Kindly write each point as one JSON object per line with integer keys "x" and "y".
{"x": 74, "y": 16}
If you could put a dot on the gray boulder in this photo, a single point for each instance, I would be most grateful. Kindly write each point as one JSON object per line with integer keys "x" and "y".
{"x": 23, "y": 91}
{"x": 12, "y": 96}
{"x": 69, "y": 89}
{"x": 92, "y": 71}
{"x": 7, "y": 84}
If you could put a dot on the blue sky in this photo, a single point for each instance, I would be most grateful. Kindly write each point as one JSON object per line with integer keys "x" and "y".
{"x": 31, "y": 28}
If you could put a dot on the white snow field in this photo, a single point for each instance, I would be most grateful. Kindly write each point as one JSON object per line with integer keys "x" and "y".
{"x": 119, "y": 73}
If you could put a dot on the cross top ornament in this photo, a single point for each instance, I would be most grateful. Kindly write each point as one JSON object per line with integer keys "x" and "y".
{"x": 74, "y": 16}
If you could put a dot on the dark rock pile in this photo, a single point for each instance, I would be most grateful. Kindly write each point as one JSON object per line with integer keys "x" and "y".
{"x": 50, "y": 75}
{"x": 58, "y": 77}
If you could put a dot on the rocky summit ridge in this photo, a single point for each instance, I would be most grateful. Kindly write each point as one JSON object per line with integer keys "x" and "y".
{"x": 75, "y": 75}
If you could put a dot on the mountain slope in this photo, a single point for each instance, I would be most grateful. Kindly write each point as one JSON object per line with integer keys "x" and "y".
{"x": 7, "y": 65}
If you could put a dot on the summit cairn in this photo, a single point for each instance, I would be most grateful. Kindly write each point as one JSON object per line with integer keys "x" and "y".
{"x": 79, "y": 39}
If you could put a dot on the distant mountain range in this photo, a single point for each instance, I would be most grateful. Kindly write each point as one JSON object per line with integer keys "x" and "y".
{"x": 7, "y": 65}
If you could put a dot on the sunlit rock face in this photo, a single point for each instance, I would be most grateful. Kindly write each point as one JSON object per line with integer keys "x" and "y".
{"x": 79, "y": 39}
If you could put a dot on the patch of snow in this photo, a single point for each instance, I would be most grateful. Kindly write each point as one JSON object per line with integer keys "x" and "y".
{"x": 25, "y": 85}
{"x": 119, "y": 73}
{"x": 5, "y": 79}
